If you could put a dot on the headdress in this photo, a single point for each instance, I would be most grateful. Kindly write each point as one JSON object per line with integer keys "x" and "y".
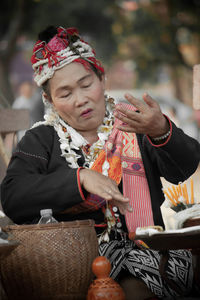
{"x": 65, "y": 47}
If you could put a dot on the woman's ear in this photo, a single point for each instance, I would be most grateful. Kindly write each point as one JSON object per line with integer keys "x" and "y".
{"x": 47, "y": 98}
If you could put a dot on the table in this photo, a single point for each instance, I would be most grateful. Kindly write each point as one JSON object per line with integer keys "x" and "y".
{"x": 185, "y": 238}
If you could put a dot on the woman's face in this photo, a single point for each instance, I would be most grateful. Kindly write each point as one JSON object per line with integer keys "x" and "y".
{"x": 78, "y": 96}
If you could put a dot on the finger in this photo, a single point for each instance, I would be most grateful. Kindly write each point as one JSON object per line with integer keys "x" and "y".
{"x": 122, "y": 210}
{"x": 149, "y": 100}
{"x": 125, "y": 209}
{"x": 134, "y": 101}
{"x": 130, "y": 208}
{"x": 126, "y": 120}
{"x": 119, "y": 197}
{"x": 119, "y": 206}
{"x": 121, "y": 112}
{"x": 107, "y": 196}
{"x": 116, "y": 195}
{"x": 126, "y": 206}
{"x": 113, "y": 193}
{"x": 130, "y": 126}
{"x": 127, "y": 129}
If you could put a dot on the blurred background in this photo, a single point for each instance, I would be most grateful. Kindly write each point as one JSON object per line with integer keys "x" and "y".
{"x": 145, "y": 46}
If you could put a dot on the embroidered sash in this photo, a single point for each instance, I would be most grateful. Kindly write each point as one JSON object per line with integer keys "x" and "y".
{"x": 124, "y": 157}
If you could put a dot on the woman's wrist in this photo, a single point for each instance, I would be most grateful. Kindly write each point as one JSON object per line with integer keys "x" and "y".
{"x": 162, "y": 132}
{"x": 82, "y": 191}
{"x": 162, "y": 137}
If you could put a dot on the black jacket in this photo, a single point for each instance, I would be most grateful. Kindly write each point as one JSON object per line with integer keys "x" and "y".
{"x": 38, "y": 177}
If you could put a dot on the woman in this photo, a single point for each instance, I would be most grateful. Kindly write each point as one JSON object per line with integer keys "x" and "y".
{"x": 92, "y": 160}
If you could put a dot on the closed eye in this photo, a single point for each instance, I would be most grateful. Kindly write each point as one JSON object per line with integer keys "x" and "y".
{"x": 65, "y": 95}
{"x": 86, "y": 85}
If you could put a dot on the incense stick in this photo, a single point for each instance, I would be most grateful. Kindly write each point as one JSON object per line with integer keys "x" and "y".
{"x": 169, "y": 197}
{"x": 192, "y": 192}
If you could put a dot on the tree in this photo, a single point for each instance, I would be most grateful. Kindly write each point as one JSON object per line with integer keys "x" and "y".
{"x": 161, "y": 33}
{"x": 28, "y": 17}
{"x": 9, "y": 31}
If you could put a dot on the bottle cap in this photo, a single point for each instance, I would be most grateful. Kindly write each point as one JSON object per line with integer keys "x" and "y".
{"x": 46, "y": 212}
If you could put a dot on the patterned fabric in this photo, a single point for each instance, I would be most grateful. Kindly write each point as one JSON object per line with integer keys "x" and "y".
{"x": 65, "y": 47}
{"x": 112, "y": 152}
{"x": 125, "y": 162}
{"x": 135, "y": 185}
{"x": 123, "y": 154}
{"x": 144, "y": 264}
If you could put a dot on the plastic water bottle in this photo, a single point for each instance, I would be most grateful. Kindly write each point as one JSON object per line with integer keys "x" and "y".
{"x": 46, "y": 217}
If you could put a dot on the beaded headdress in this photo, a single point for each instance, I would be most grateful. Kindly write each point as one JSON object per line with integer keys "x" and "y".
{"x": 65, "y": 47}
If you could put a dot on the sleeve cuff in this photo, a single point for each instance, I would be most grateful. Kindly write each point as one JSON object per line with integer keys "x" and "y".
{"x": 79, "y": 184}
{"x": 166, "y": 141}
{"x": 91, "y": 201}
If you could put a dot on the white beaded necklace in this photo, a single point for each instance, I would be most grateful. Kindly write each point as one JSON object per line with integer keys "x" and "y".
{"x": 71, "y": 140}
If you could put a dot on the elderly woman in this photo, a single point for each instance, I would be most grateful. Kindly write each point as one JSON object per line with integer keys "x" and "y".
{"x": 91, "y": 159}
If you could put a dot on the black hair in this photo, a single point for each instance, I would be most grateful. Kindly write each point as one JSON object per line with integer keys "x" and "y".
{"x": 47, "y": 34}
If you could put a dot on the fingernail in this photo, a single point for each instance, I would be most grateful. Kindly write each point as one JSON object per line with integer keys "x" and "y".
{"x": 130, "y": 208}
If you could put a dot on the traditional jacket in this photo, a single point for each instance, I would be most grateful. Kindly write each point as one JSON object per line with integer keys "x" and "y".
{"x": 38, "y": 177}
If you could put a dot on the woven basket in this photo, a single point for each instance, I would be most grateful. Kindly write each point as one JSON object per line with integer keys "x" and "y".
{"x": 52, "y": 261}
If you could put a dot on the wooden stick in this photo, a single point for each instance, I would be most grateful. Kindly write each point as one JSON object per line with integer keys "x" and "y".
{"x": 172, "y": 194}
{"x": 192, "y": 192}
{"x": 180, "y": 190}
{"x": 183, "y": 192}
{"x": 170, "y": 198}
{"x": 186, "y": 193}
{"x": 175, "y": 193}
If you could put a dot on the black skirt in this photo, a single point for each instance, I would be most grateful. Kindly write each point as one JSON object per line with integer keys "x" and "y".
{"x": 126, "y": 257}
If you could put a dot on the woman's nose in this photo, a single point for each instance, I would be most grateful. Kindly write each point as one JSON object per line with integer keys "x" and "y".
{"x": 81, "y": 98}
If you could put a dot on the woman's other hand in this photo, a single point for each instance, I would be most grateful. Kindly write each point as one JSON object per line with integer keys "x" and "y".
{"x": 147, "y": 120}
{"x": 98, "y": 184}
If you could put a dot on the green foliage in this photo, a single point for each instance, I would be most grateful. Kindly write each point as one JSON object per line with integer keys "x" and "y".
{"x": 151, "y": 36}
{"x": 155, "y": 35}
{"x": 20, "y": 18}
{"x": 90, "y": 17}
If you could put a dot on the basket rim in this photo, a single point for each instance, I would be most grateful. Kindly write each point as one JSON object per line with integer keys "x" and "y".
{"x": 68, "y": 224}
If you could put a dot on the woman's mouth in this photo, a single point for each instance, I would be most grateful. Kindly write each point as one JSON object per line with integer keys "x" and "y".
{"x": 86, "y": 113}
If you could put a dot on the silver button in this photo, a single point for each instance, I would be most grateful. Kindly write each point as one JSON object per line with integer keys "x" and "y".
{"x": 115, "y": 209}
{"x": 119, "y": 225}
{"x": 116, "y": 215}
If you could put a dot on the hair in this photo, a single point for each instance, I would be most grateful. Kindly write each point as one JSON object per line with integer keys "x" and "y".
{"x": 46, "y": 35}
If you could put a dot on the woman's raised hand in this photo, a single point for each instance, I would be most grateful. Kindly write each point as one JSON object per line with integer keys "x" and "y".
{"x": 98, "y": 184}
{"x": 148, "y": 119}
